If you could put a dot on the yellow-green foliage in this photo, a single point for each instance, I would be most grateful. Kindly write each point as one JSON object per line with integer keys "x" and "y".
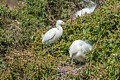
{"x": 101, "y": 28}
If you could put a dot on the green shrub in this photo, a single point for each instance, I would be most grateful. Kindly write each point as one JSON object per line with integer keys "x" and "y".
{"x": 22, "y": 28}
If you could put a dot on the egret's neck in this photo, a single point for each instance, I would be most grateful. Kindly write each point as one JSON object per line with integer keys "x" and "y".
{"x": 59, "y": 28}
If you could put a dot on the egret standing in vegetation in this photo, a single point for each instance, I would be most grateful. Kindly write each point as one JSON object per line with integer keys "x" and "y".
{"x": 53, "y": 34}
{"x": 78, "y": 49}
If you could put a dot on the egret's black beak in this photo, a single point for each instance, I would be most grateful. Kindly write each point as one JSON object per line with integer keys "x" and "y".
{"x": 67, "y": 25}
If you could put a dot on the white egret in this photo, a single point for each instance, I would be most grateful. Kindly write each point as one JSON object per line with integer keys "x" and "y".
{"x": 78, "y": 49}
{"x": 53, "y": 34}
{"x": 86, "y": 10}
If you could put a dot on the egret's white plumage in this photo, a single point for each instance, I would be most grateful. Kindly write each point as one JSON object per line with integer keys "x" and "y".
{"x": 78, "y": 49}
{"x": 53, "y": 34}
{"x": 87, "y": 10}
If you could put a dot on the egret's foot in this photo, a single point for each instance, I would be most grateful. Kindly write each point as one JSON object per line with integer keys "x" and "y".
{"x": 50, "y": 56}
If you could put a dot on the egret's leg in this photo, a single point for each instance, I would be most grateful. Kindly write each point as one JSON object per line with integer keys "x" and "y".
{"x": 71, "y": 61}
{"x": 52, "y": 49}
{"x": 47, "y": 50}
{"x": 49, "y": 55}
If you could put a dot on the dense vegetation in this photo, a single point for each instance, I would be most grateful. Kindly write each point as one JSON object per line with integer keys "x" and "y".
{"x": 23, "y": 56}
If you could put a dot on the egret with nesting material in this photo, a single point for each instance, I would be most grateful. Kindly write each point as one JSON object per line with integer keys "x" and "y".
{"x": 53, "y": 34}
{"x": 78, "y": 49}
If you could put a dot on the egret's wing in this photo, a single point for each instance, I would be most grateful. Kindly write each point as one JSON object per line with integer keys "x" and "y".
{"x": 49, "y": 35}
{"x": 80, "y": 42}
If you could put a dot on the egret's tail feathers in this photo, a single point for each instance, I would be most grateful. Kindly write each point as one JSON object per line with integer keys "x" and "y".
{"x": 89, "y": 44}
{"x": 42, "y": 35}
{"x": 90, "y": 47}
